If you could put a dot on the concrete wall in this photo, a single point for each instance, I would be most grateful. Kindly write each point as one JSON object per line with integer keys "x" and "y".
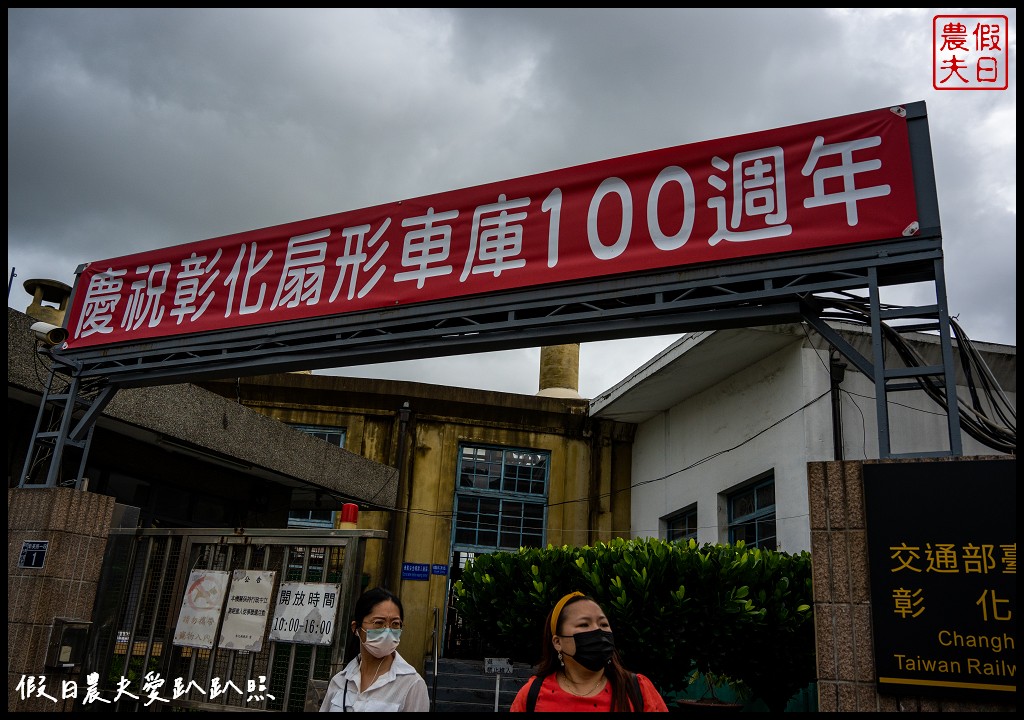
{"x": 842, "y": 599}
{"x": 76, "y": 524}
{"x": 733, "y": 432}
{"x": 774, "y": 416}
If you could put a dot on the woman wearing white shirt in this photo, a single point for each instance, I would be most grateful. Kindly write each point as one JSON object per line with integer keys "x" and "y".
{"x": 378, "y": 679}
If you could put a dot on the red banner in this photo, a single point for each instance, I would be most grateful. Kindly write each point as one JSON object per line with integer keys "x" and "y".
{"x": 815, "y": 185}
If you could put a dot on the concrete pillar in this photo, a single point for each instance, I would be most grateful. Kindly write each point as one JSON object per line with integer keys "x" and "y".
{"x": 560, "y": 371}
{"x": 75, "y": 524}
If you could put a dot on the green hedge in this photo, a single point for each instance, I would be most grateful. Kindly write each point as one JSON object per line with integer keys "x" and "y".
{"x": 726, "y": 611}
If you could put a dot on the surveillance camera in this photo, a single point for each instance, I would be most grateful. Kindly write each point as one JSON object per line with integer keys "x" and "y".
{"x": 49, "y": 334}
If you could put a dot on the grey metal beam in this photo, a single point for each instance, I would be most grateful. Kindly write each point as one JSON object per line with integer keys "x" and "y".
{"x": 742, "y": 295}
{"x": 751, "y": 293}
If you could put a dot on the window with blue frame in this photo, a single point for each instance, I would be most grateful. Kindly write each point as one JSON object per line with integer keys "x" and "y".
{"x": 317, "y": 518}
{"x": 500, "y": 498}
{"x": 752, "y": 515}
{"x": 682, "y": 526}
{"x": 311, "y": 518}
{"x": 328, "y": 433}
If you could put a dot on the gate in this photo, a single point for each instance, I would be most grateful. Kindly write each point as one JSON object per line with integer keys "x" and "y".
{"x": 135, "y": 664}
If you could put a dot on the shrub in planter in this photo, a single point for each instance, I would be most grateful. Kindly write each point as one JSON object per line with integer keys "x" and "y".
{"x": 776, "y": 658}
{"x": 500, "y": 594}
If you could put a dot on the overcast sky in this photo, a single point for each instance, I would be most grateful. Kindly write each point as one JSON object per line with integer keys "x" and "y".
{"x": 131, "y": 130}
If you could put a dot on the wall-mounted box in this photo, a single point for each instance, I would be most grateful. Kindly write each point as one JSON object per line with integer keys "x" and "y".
{"x": 68, "y": 641}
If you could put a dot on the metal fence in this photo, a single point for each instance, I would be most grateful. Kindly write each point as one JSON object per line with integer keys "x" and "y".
{"x": 137, "y": 666}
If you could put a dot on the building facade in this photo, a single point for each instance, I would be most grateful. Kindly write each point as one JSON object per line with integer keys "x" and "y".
{"x": 478, "y": 471}
{"x": 728, "y": 422}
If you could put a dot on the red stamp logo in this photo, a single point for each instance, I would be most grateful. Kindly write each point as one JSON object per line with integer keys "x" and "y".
{"x": 969, "y": 52}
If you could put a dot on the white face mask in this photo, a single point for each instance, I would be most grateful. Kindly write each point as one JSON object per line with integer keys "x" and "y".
{"x": 381, "y": 643}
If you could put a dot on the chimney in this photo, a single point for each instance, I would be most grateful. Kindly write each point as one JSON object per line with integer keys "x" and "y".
{"x": 560, "y": 371}
{"x": 48, "y": 291}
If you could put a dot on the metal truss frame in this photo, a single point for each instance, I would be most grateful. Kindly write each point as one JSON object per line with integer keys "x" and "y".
{"x": 798, "y": 288}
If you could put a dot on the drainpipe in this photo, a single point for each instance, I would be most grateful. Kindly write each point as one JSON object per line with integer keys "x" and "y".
{"x": 404, "y": 481}
{"x": 404, "y": 492}
{"x": 837, "y": 373}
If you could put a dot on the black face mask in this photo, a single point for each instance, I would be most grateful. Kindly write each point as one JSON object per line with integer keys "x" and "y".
{"x": 594, "y": 648}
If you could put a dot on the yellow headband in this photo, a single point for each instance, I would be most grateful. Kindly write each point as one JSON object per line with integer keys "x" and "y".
{"x": 558, "y": 610}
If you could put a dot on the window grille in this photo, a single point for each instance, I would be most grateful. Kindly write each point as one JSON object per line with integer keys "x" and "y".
{"x": 500, "y": 498}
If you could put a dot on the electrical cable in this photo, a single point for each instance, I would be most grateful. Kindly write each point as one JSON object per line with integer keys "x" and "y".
{"x": 998, "y": 434}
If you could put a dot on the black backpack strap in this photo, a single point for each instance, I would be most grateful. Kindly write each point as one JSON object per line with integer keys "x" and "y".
{"x": 636, "y": 697}
{"x": 533, "y": 692}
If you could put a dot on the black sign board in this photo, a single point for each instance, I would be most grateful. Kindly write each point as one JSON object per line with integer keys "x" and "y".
{"x": 942, "y": 550}
{"x": 33, "y": 553}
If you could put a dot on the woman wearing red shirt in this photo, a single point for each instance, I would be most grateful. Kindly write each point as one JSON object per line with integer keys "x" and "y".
{"x": 580, "y": 670}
